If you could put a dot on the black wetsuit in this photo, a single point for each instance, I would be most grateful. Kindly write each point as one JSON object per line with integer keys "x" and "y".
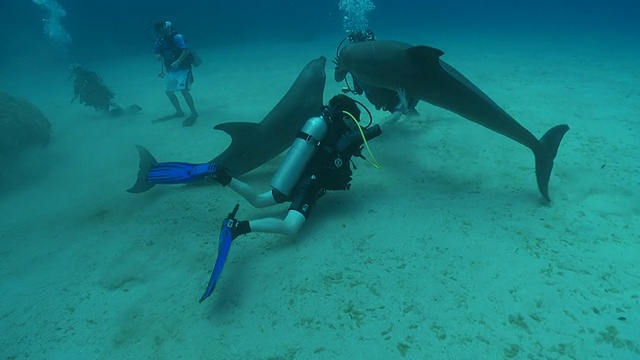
{"x": 328, "y": 169}
{"x": 91, "y": 91}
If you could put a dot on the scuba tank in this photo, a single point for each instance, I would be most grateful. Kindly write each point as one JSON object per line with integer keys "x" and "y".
{"x": 299, "y": 154}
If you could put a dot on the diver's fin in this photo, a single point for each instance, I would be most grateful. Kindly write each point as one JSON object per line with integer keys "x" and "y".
{"x": 147, "y": 161}
{"x": 168, "y": 173}
{"x": 152, "y": 172}
{"x": 224, "y": 244}
{"x": 132, "y": 109}
{"x": 117, "y": 111}
{"x": 545, "y": 154}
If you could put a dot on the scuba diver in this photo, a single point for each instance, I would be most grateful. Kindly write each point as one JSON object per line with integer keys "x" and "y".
{"x": 90, "y": 90}
{"x": 382, "y": 99}
{"x": 172, "y": 49}
{"x": 319, "y": 160}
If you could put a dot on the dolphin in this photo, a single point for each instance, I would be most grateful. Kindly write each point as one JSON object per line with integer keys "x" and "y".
{"x": 381, "y": 98}
{"x": 253, "y": 144}
{"x": 419, "y": 71}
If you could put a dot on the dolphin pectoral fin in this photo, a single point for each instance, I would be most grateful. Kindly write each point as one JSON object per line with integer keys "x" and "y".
{"x": 244, "y": 137}
{"x": 239, "y": 131}
{"x": 545, "y": 154}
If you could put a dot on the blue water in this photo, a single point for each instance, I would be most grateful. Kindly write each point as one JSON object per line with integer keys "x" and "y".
{"x": 461, "y": 261}
{"x": 123, "y": 25}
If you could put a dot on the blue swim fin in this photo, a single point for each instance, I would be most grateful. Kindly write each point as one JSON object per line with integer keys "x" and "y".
{"x": 179, "y": 173}
{"x": 152, "y": 172}
{"x": 224, "y": 244}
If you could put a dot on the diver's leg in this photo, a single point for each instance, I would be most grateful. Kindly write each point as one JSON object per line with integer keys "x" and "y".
{"x": 189, "y": 99}
{"x": 258, "y": 200}
{"x": 304, "y": 197}
{"x": 194, "y": 114}
{"x": 176, "y": 104}
{"x": 288, "y": 226}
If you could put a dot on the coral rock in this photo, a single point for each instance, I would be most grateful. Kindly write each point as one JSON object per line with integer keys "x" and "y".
{"x": 22, "y": 126}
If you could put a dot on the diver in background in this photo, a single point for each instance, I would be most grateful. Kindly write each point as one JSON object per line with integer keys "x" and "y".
{"x": 90, "y": 90}
{"x": 172, "y": 49}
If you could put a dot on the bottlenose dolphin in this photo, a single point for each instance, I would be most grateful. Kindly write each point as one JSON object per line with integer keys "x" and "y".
{"x": 253, "y": 144}
{"x": 419, "y": 71}
{"x": 381, "y": 98}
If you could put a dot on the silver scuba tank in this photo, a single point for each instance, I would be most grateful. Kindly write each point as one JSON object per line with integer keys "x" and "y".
{"x": 304, "y": 146}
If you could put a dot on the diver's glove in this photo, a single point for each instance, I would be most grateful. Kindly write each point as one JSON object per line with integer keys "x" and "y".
{"x": 222, "y": 175}
{"x": 240, "y": 227}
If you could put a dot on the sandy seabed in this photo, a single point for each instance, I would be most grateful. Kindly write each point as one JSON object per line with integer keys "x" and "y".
{"x": 447, "y": 252}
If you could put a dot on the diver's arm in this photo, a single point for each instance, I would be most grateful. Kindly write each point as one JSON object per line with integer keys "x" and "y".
{"x": 183, "y": 55}
{"x": 157, "y": 49}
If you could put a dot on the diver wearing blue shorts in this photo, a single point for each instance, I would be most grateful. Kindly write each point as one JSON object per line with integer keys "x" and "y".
{"x": 172, "y": 49}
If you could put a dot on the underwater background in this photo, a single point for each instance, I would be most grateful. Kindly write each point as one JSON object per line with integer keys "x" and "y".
{"x": 114, "y": 28}
{"x": 447, "y": 252}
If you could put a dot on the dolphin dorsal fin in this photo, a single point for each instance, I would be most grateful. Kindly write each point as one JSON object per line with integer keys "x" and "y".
{"x": 424, "y": 54}
{"x": 237, "y": 129}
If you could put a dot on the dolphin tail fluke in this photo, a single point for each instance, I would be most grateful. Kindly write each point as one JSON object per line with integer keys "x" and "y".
{"x": 545, "y": 154}
{"x": 147, "y": 161}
